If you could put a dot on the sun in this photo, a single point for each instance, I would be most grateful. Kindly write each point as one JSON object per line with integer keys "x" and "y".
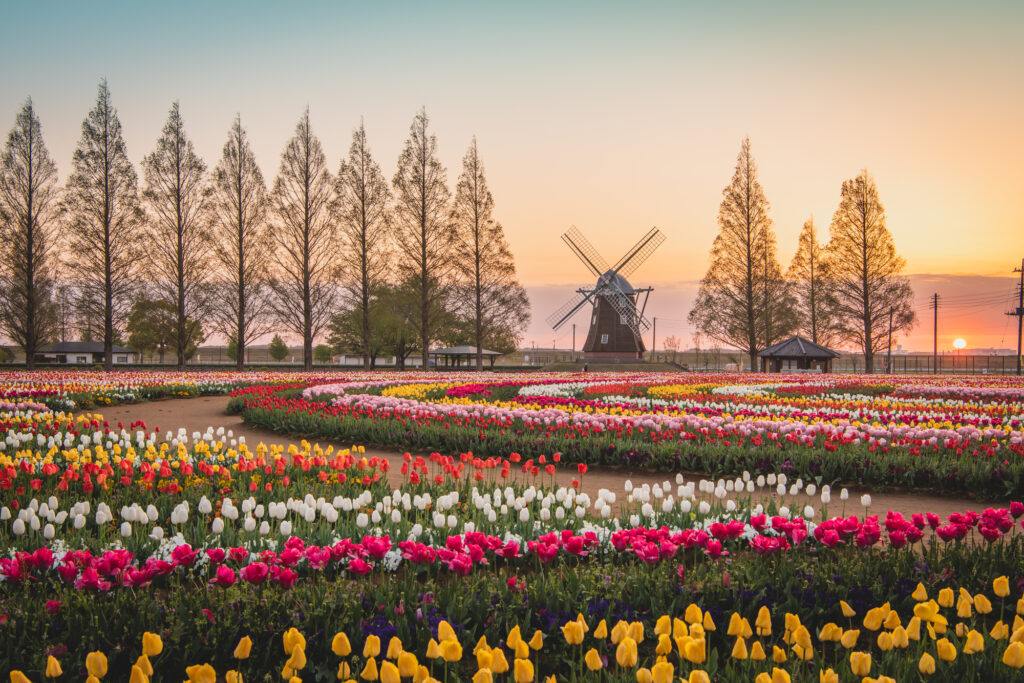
{"x": 959, "y": 343}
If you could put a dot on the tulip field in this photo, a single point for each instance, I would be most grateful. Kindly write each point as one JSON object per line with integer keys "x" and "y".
{"x": 135, "y": 554}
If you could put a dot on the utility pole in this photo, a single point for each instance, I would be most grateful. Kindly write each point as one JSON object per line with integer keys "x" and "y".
{"x": 888, "y": 355}
{"x": 935, "y": 334}
{"x": 653, "y": 338}
{"x": 1019, "y": 313}
{"x": 574, "y": 342}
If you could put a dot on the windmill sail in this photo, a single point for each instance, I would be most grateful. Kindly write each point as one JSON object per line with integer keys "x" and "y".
{"x": 635, "y": 257}
{"x": 585, "y": 251}
{"x": 566, "y": 310}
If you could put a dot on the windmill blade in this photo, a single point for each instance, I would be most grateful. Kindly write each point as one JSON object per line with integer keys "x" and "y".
{"x": 566, "y": 310}
{"x": 626, "y": 308}
{"x": 639, "y": 253}
{"x": 585, "y": 251}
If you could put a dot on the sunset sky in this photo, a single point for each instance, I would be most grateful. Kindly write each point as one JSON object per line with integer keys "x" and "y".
{"x": 613, "y": 117}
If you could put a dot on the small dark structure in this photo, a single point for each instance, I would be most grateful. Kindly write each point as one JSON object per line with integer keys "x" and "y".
{"x": 454, "y": 356}
{"x": 795, "y": 354}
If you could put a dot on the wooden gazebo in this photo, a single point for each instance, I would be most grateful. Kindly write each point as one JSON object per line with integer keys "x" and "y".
{"x": 796, "y": 354}
{"x": 455, "y": 355}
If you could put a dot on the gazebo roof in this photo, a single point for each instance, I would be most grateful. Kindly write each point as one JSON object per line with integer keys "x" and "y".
{"x": 463, "y": 351}
{"x": 797, "y": 347}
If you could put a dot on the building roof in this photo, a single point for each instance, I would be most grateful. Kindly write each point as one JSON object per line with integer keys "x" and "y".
{"x": 464, "y": 351}
{"x": 797, "y": 347}
{"x": 80, "y": 347}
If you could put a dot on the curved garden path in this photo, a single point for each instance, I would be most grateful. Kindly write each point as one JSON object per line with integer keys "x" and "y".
{"x": 197, "y": 414}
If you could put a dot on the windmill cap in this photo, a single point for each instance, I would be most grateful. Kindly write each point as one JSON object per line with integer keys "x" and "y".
{"x": 613, "y": 279}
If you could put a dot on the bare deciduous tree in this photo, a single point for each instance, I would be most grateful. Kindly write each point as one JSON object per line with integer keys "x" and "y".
{"x": 361, "y": 207}
{"x": 104, "y": 221}
{"x": 304, "y": 236}
{"x": 29, "y": 231}
{"x": 241, "y": 245}
{"x": 866, "y": 270}
{"x": 423, "y": 234}
{"x": 178, "y": 245}
{"x": 494, "y": 300}
{"x": 743, "y": 300}
{"x": 808, "y": 273}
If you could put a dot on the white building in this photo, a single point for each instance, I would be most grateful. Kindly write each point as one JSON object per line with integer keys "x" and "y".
{"x": 83, "y": 353}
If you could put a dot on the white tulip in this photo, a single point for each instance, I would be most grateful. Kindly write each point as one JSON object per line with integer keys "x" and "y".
{"x": 286, "y": 528}
{"x": 48, "y": 532}
{"x": 264, "y": 528}
{"x": 18, "y": 527}
{"x": 157, "y": 533}
{"x": 865, "y": 500}
{"x": 704, "y": 507}
{"x": 362, "y": 521}
{"x": 524, "y": 514}
{"x": 809, "y": 512}
{"x": 249, "y": 524}
{"x": 452, "y": 521}
{"x": 218, "y": 526}
{"x": 126, "y": 529}
{"x": 843, "y": 494}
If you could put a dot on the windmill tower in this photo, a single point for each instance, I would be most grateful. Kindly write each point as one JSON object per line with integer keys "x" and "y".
{"x": 617, "y": 322}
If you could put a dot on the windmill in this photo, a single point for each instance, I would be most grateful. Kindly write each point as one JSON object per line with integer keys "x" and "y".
{"x": 617, "y": 323}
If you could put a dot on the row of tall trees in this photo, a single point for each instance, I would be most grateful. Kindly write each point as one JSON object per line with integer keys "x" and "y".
{"x": 850, "y": 290}
{"x": 217, "y": 251}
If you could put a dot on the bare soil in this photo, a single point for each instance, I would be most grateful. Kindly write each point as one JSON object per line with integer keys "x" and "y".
{"x": 196, "y": 414}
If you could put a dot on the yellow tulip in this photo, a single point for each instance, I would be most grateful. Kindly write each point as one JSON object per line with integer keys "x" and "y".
{"x": 484, "y": 658}
{"x": 644, "y": 675}
{"x": 926, "y": 664}
{"x": 828, "y": 676}
{"x": 242, "y": 649}
{"x": 699, "y": 676}
{"x": 873, "y": 619}
{"x": 1020, "y": 605}
{"x": 143, "y": 663}
{"x": 446, "y": 632}
{"x": 860, "y": 663}
{"x": 780, "y": 676}
{"x": 537, "y": 641}
{"x": 757, "y": 652}
{"x": 693, "y": 615}
{"x": 763, "y": 623}
{"x": 739, "y": 649}
{"x": 53, "y": 669}
{"x": 849, "y": 638}
{"x": 482, "y": 676}
{"x": 982, "y": 604}
{"x": 778, "y": 654}
{"x": 371, "y": 648}
{"x": 573, "y": 632}
{"x": 662, "y": 626}
{"x": 522, "y": 650}
{"x": 297, "y": 661}
{"x": 914, "y": 628}
{"x": 920, "y": 594}
{"x": 975, "y": 643}
{"x": 233, "y": 676}
{"x": 636, "y": 631}
{"x": 369, "y": 672}
{"x": 892, "y": 621}
{"x": 696, "y": 651}
{"x": 514, "y": 636}
{"x": 201, "y": 673}
{"x": 523, "y": 672}
{"x": 734, "y": 625}
{"x": 946, "y": 650}
{"x": 848, "y": 611}
{"x": 601, "y": 632}
{"x": 593, "y": 660}
{"x": 582, "y": 622}
{"x": 394, "y": 648}
{"x": 92, "y": 679}
{"x": 662, "y": 672}
{"x": 619, "y": 632}
{"x": 900, "y": 638}
{"x": 664, "y": 645}
{"x": 19, "y": 677}
{"x": 626, "y": 653}
{"x": 946, "y": 597}
{"x": 340, "y": 644}
{"x": 1014, "y": 655}
{"x": 389, "y": 673}
{"x": 292, "y": 639}
{"x": 451, "y": 650}
{"x": 708, "y": 622}
{"x": 1001, "y": 587}
{"x": 678, "y": 628}
{"x": 999, "y": 630}
{"x": 763, "y": 678}
{"x": 96, "y": 664}
{"x": 884, "y": 641}
{"x": 152, "y": 645}
{"x": 499, "y": 664}
{"x": 433, "y": 649}
{"x": 344, "y": 671}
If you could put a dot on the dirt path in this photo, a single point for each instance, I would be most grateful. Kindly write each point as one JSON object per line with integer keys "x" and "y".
{"x": 196, "y": 414}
